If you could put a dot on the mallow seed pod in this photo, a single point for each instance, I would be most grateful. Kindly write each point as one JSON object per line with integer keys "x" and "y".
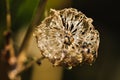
{"x": 67, "y": 38}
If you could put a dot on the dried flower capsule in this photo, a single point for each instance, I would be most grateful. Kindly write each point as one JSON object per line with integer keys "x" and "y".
{"x": 67, "y": 38}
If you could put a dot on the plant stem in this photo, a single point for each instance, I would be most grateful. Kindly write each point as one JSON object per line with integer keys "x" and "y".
{"x": 36, "y": 20}
{"x": 8, "y": 15}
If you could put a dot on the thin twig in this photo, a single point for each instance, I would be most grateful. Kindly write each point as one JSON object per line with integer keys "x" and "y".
{"x": 8, "y": 15}
{"x": 15, "y": 73}
{"x": 7, "y": 54}
{"x": 7, "y": 33}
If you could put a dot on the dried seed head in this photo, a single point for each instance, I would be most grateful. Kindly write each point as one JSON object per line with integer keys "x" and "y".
{"x": 67, "y": 38}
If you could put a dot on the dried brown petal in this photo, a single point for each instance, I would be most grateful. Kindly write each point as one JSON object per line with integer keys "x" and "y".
{"x": 67, "y": 38}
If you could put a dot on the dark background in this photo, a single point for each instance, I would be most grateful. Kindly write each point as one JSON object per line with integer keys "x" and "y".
{"x": 106, "y": 16}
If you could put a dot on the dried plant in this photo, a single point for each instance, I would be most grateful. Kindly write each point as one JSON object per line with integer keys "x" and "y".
{"x": 67, "y": 38}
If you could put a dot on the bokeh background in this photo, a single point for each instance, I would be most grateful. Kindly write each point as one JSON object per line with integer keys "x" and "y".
{"x": 106, "y": 16}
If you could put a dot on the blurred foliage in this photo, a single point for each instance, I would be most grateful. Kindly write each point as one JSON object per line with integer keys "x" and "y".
{"x": 2, "y": 20}
{"x": 22, "y": 12}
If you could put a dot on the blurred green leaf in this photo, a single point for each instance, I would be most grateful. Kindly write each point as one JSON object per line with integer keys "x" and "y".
{"x": 22, "y": 12}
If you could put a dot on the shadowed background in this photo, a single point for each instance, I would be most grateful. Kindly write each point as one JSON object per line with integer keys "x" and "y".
{"x": 105, "y": 14}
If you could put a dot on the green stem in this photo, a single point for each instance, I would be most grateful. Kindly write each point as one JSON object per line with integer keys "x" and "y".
{"x": 36, "y": 20}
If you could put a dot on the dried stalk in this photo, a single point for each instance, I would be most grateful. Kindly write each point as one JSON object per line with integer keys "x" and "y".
{"x": 8, "y": 15}
{"x": 9, "y": 41}
{"x": 8, "y": 58}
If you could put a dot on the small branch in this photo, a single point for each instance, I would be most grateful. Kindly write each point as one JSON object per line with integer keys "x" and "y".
{"x": 8, "y": 58}
{"x": 8, "y": 15}
{"x": 9, "y": 49}
{"x": 14, "y": 74}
